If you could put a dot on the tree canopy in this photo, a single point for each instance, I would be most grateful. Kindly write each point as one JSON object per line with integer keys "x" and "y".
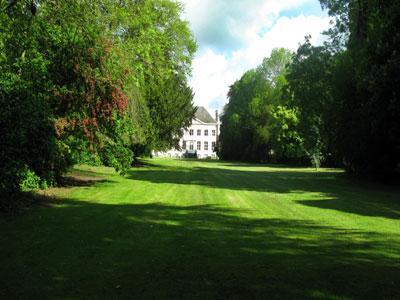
{"x": 340, "y": 99}
{"x": 348, "y": 89}
{"x": 258, "y": 124}
{"x": 89, "y": 81}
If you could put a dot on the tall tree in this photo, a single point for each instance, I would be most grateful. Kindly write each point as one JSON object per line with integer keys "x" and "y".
{"x": 89, "y": 76}
{"x": 347, "y": 91}
{"x": 161, "y": 48}
{"x": 310, "y": 82}
{"x": 257, "y": 123}
{"x": 371, "y": 135}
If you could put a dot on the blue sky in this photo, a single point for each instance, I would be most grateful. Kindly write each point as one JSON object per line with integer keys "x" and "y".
{"x": 235, "y": 35}
{"x": 308, "y": 8}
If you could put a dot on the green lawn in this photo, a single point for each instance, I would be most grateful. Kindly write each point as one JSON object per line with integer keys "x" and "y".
{"x": 206, "y": 230}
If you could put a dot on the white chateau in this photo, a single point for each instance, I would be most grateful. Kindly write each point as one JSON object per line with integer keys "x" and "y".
{"x": 200, "y": 138}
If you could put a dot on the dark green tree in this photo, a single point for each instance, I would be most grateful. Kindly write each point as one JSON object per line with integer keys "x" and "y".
{"x": 347, "y": 91}
{"x": 82, "y": 79}
{"x": 310, "y": 83}
{"x": 367, "y": 83}
{"x": 258, "y": 124}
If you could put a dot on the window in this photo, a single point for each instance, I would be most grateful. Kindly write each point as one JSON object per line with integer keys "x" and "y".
{"x": 206, "y": 132}
{"x": 191, "y": 132}
{"x": 213, "y": 146}
{"x": 206, "y": 146}
{"x": 198, "y": 132}
{"x": 213, "y": 133}
{"x": 198, "y": 145}
{"x": 184, "y": 145}
{"x": 191, "y": 146}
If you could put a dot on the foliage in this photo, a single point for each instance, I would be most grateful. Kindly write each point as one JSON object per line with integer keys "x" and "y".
{"x": 161, "y": 48}
{"x": 28, "y": 137}
{"x": 340, "y": 104}
{"x": 258, "y": 124}
{"x": 82, "y": 81}
{"x": 310, "y": 82}
{"x": 117, "y": 156}
{"x": 372, "y": 91}
{"x": 60, "y": 82}
{"x": 347, "y": 91}
{"x": 82, "y": 153}
{"x": 29, "y": 180}
{"x": 171, "y": 109}
{"x": 287, "y": 143}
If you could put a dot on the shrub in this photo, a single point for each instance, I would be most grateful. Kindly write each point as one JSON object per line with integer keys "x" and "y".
{"x": 117, "y": 156}
{"x": 29, "y": 148}
{"x": 29, "y": 180}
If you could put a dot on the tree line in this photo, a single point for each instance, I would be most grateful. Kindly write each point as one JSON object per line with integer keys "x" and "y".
{"x": 336, "y": 104}
{"x": 89, "y": 81}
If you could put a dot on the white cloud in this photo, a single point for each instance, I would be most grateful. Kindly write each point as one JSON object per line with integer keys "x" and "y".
{"x": 212, "y": 75}
{"x": 235, "y": 36}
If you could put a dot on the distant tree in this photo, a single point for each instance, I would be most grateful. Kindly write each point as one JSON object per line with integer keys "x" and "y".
{"x": 310, "y": 82}
{"x": 347, "y": 91}
{"x": 161, "y": 48}
{"x": 237, "y": 130}
{"x": 258, "y": 124}
{"x": 171, "y": 110}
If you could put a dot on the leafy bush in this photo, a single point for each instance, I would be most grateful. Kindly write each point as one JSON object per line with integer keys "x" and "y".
{"x": 29, "y": 147}
{"x": 28, "y": 180}
{"x": 117, "y": 156}
{"x": 81, "y": 152}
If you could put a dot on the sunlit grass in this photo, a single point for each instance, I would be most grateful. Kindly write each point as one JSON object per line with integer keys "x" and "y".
{"x": 205, "y": 229}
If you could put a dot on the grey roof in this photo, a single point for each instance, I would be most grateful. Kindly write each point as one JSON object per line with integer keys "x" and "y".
{"x": 203, "y": 115}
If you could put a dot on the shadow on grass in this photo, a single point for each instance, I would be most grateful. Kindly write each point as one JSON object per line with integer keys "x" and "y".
{"x": 76, "y": 180}
{"x": 228, "y": 163}
{"x": 76, "y": 249}
{"x": 364, "y": 208}
{"x": 14, "y": 203}
{"x": 339, "y": 192}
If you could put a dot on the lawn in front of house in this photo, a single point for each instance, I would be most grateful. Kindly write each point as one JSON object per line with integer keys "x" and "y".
{"x": 205, "y": 229}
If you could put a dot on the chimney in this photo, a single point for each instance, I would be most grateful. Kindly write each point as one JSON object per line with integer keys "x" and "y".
{"x": 216, "y": 116}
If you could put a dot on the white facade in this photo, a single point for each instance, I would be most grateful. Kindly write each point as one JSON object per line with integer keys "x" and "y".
{"x": 201, "y": 137}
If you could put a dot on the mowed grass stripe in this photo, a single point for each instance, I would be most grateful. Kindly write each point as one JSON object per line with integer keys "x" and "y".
{"x": 206, "y": 229}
